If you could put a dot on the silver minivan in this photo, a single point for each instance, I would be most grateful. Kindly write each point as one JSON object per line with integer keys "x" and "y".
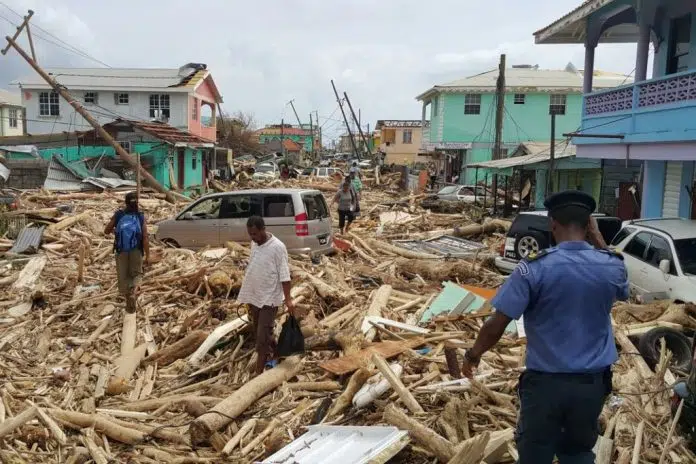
{"x": 299, "y": 218}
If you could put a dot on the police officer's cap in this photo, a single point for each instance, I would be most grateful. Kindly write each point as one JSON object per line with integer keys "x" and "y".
{"x": 567, "y": 198}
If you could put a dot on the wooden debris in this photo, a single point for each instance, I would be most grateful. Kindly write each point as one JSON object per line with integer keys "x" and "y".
{"x": 178, "y": 350}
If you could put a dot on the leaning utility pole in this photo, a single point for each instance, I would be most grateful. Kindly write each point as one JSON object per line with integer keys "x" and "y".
{"x": 362, "y": 136}
{"x": 350, "y": 134}
{"x": 292, "y": 105}
{"x": 552, "y": 154}
{"x": 282, "y": 137}
{"x": 123, "y": 154}
{"x": 24, "y": 25}
{"x": 499, "y": 111}
{"x": 311, "y": 135}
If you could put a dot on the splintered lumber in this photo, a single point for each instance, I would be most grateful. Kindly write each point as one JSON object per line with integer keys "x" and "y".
{"x": 98, "y": 455}
{"x": 235, "y": 404}
{"x": 377, "y": 305}
{"x": 357, "y": 380}
{"x": 328, "y": 385}
{"x": 128, "y": 333}
{"x": 67, "y": 222}
{"x": 101, "y": 424}
{"x": 274, "y": 424}
{"x": 352, "y": 362}
{"x": 178, "y": 350}
{"x": 30, "y": 274}
{"x": 397, "y": 385}
{"x": 675, "y": 421}
{"x": 246, "y": 429}
{"x": 472, "y": 450}
{"x": 9, "y": 425}
{"x": 51, "y": 425}
{"x": 441, "y": 448}
{"x": 403, "y": 252}
{"x": 126, "y": 365}
{"x": 639, "y": 363}
{"x": 497, "y": 445}
{"x": 494, "y": 225}
{"x": 77, "y": 354}
{"x": 214, "y": 337}
{"x": 443, "y": 271}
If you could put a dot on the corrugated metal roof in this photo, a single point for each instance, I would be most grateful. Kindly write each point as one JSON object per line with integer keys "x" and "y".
{"x": 532, "y": 79}
{"x": 95, "y": 78}
{"x": 445, "y": 245}
{"x": 539, "y": 152}
{"x": 60, "y": 178}
{"x": 28, "y": 241}
{"x": 162, "y": 131}
{"x": 342, "y": 444}
{"x": 10, "y": 98}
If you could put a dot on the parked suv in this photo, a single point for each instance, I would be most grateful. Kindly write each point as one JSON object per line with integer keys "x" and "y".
{"x": 299, "y": 218}
{"x": 660, "y": 256}
{"x": 531, "y": 232}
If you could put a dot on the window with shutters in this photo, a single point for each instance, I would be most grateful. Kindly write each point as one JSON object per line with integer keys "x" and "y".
{"x": 557, "y": 104}
{"x": 472, "y": 103}
{"x": 49, "y": 104}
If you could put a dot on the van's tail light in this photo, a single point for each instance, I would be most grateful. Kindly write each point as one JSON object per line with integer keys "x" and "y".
{"x": 301, "y": 226}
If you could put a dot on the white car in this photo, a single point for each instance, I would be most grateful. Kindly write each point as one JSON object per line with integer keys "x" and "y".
{"x": 463, "y": 193}
{"x": 660, "y": 256}
{"x": 327, "y": 173}
{"x": 266, "y": 171}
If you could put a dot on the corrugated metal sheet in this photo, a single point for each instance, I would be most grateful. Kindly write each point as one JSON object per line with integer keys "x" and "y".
{"x": 539, "y": 152}
{"x": 94, "y": 78}
{"x": 673, "y": 176}
{"x": 108, "y": 183}
{"x": 4, "y": 172}
{"x": 345, "y": 445}
{"x": 28, "y": 242}
{"x": 60, "y": 178}
{"x": 446, "y": 245}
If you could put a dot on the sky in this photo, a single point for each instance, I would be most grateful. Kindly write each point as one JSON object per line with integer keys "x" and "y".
{"x": 263, "y": 54}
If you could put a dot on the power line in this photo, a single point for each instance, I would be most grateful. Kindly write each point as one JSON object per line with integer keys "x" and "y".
{"x": 66, "y": 46}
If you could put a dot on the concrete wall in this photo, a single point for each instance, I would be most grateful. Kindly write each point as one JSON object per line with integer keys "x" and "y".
{"x": 26, "y": 174}
{"x": 5, "y": 129}
{"x": 138, "y": 108}
{"x": 399, "y": 152}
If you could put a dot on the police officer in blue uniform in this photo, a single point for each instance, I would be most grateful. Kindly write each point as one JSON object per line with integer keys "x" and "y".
{"x": 565, "y": 294}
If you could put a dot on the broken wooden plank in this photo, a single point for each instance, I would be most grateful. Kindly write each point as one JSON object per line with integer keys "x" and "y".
{"x": 352, "y": 362}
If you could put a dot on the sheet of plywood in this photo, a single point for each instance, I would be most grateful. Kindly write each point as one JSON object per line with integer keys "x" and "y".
{"x": 350, "y": 363}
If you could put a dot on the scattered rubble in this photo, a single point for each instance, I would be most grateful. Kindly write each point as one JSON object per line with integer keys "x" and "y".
{"x": 83, "y": 381}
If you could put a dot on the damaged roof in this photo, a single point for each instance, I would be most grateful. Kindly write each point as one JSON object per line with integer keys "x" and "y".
{"x": 159, "y": 130}
{"x": 184, "y": 79}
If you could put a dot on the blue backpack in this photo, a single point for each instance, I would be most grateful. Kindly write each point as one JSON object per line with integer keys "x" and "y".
{"x": 129, "y": 232}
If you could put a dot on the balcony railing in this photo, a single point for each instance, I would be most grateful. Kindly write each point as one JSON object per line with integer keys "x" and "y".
{"x": 666, "y": 90}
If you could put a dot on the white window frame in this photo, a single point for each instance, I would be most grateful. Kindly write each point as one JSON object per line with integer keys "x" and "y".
{"x": 558, "y": 103}
{"x": 158, "y": 104}
{"x": 520, "y": 99}
{"x": 407, "y": 136}
{"x": 13, "y": 116}
{"x": 472, "y": 104}
{"x": 121, "y": 98}
{"x": 50, "y": 107}
{"x": 91, "y": 98}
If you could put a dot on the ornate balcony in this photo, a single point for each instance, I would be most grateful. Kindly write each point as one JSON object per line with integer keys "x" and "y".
{"x": 657, "y": 110}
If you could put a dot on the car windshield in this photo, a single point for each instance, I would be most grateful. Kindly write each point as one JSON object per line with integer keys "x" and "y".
{"x": 448, "y": 190}
{"x": 686, "y": 253}
{"x": 264, "y": 168}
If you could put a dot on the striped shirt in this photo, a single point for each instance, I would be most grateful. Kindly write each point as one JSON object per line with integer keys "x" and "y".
{"x": 268, "y": 268}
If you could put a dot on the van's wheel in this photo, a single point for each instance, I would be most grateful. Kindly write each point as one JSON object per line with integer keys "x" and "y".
{"x": 529, "y": 243}
{"x": 168, "y": 242}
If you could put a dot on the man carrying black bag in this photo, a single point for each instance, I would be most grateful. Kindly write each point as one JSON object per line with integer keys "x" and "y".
{"x": 265, "y": 288}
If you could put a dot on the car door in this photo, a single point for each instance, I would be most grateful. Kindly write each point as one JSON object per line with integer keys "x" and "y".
{"x": 279, "y": 216}
{"x": 197, "y": 226}
{"x": 656, "y": 280}
{"x": 634, "y": 257}
{"x": 236, "y": 209}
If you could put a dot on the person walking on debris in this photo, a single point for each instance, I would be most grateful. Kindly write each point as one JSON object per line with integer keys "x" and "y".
{"x": 357, "y": 186}
{"x": 565, "y": 294}
{"x": 355, "y": 169}
{"x": 265, "y": 287}
{"x": 346, "y": 198}
{"x": 130, "y": 245}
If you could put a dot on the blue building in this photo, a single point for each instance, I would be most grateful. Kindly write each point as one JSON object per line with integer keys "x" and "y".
{"x": 651, "y": 120}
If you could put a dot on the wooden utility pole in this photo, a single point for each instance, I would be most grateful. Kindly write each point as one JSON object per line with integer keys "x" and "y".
{"x": 24, "y": 25}
{"x": 499, "y": 112}
{"x": 552, "y": 154}
{"x": 282, "y": 137}
{"x": 292, "y": 105}
{"x": 362, "y": 136}
{"x": 123, "y": 154}
{"x": 311, "y": 135}
{"x": 138, "y": 181}
{"x": 350, "y": 133}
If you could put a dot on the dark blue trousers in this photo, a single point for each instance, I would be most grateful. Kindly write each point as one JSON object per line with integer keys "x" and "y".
{"x": 559, "y": 416}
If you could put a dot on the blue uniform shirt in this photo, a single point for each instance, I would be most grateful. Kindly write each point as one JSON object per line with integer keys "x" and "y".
{"x": 566, "y": 297}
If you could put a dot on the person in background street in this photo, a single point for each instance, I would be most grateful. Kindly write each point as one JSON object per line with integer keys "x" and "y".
{"x": 565, "y": 294}
{"x": 284, "y": 172}
{"x": 355, "y": 169}
{"x": 433, "y": 176}
{"x": 266, "y": 286}
{"x": 357, "y": 185}
{"x": 346, "y": 199}
{"x": 130, "y": 245}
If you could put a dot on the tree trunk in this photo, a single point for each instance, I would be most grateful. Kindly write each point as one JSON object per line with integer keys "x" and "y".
{"x": 235, "y": 404}
{"x": 179, "y": 349}
{"x": 377, "y": 305}
{"x": 432, "y": 441}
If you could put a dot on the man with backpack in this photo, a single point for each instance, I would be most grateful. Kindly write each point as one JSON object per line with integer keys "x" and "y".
{"x": 130, "y": 245}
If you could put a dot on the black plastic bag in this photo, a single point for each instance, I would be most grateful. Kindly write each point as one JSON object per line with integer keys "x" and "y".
{"x": 291, "y": 340}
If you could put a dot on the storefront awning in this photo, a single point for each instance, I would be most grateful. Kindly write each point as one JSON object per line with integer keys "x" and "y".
{"x": 531, "y": 153}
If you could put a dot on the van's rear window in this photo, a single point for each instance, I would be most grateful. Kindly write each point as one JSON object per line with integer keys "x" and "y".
{"x": 278, "y": 206}
{"x": 315, "y": 205}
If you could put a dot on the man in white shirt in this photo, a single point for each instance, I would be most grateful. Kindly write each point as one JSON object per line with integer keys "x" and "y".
{"x": 265, "y": 287}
